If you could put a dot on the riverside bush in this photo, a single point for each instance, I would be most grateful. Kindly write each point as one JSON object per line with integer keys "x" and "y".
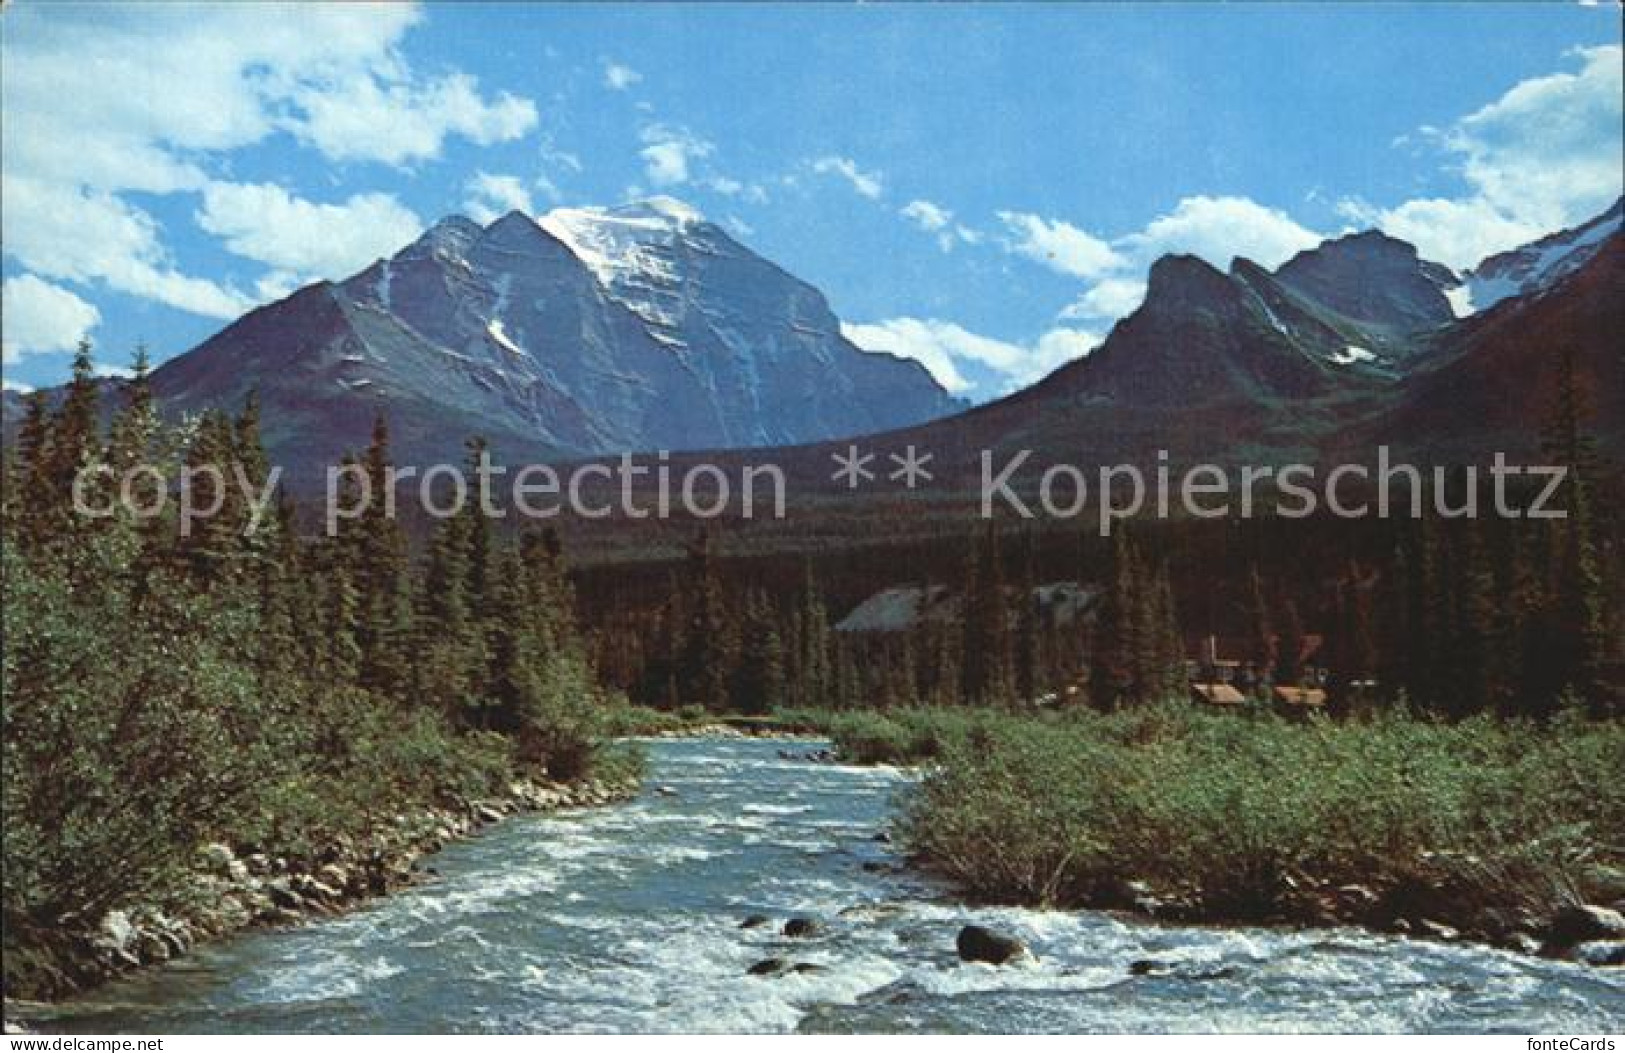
{"x": 1238, "y": 811}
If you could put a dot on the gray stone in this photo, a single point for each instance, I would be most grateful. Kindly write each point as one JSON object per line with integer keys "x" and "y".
{"x": 769, "y": 967}
{"x": 116, "y": 934}
{"x": 979, "y": 944}
{"x": 282, "y": 894}
{"x": 1582, "y": 923}
{"x": 803, "y": 928}
{"x": 1606, "y": 953}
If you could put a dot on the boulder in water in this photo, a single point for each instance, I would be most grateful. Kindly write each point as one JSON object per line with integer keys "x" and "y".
{"x": 1149, "y": 967}
{"x": 803, "y": 928}
{"x": 769, "y": 967}
{"x": 809, "y": 968}
{"x": 979, "y": 944}
{"x": 755, "y": 921}
{"x": 1582, "y": 923}
{"x": 1605, "y": 953}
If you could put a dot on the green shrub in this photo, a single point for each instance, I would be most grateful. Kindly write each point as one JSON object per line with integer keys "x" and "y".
{"x": 1235, "y": 811}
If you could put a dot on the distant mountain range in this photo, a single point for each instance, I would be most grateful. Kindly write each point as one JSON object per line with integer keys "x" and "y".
{"x": 645, "y": 327}
{"x": 1355, "y": 343}
{"x": 589, "y": 330}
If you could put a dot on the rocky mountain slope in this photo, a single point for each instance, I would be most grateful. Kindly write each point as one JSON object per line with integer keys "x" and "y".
{"x": 589, "y": 331}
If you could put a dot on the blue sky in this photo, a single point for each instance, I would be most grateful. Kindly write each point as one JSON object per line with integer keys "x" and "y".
{"x": 980, "y": 187}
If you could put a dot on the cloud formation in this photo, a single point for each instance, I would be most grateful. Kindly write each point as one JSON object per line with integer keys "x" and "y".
{"x": 1218, "y": 229}
{"x": 175, "y": 89}
{"x": 868, "y": 184}
{"x": 365, "y": 118}
{"x": 620, "y": 78}
{"x": 42, "y": 318}
{"x": 943, "y": 347}
{"x": 934, "y": 219}
{"x": 492, "y": 196}
{"x": 669, "y": 154}
{"x": 74, "y": 233}
{"x": 266, "y": 223}
{"x": 1058, "y": 245}
{"x": 1543, "y": 156}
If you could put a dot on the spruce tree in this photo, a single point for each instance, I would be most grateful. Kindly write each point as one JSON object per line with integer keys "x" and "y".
{"x": 1027, "y": 677}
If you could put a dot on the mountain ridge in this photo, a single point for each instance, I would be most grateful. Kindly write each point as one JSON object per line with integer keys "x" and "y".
{"x": 578, "y": 341}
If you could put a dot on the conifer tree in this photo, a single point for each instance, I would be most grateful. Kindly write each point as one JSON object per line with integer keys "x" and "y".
{"x": 29, "y": 485}
{"x": 1027, "y": 627}
{"x": 1117, "y": 627}
{"x": 706, "y": 668}
{"x": 986, "y": 655}
{"x": 759, "y": 683}
{"x": 1260, "y": 628}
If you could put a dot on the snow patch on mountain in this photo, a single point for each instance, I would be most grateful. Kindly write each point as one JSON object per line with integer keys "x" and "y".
{"x": 386, "y": 278}
{"x": 1460, "y": 298}
{"x": 1353, "y": 354}
{"x": 622, "y": 245}
{"x": 1538, "y": 266}
{"x": 631, "y": 251}
{"x": 500, "y": 337}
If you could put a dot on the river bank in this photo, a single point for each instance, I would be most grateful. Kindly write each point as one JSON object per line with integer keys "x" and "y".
{"x": 632, "y": 919}
{"x": 227, "y": 893}
{"x": 1483, "y": 831}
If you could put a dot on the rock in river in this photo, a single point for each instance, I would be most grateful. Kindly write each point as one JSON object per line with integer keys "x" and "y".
{"x": 803, "y": 928}
{"x": 978, "y": 944}
{"x": 769, "y": 967}
{"x": 1581, "y": 923}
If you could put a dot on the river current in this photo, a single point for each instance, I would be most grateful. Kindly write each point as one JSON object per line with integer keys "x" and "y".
{"x": 627, "y": 918}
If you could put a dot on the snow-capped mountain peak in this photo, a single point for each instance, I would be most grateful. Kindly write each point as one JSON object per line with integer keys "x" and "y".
{"x": 1535, "y": 267}
{"x": 624, "y": 242}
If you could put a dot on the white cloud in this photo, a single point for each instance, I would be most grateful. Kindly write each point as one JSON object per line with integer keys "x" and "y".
{"x": 1058, "y": 245}
{"x": 1543, "y": 156}
{"x": 264, "y": 222}
{"x": 669, "y": 154}
{"x": 619, "y": 78}
{"x": 364, "y": 118}
{"x": 934, "y": 219}
{"x": 1458, "y": 233}
{"x": 40, "y": 318}
{"x": 83, "y": 235}
{"x": 18, "y": 386}
{"x": 927, "y": 215}
{"x": 1112, "y": 298}
{"x": 942, "y": 347}
{"x": 100, "y": 101}
{"x": 869, "y": 184}
{"x": 492, "y": 196}
{"x": 329, "y": 73}
{"x": 1218, "y": 229}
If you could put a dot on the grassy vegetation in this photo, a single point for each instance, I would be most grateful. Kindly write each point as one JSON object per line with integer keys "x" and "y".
{"x": 1478, "y": 823}
{"x": 892, "y": 736}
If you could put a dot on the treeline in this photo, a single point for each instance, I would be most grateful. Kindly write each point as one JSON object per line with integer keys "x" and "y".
{"x": 723, "y": 642}
{"x": 164, "y": 688}
{"x": 1455, "y": 615}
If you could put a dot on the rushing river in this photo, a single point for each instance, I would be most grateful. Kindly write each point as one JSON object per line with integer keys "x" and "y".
{"x": 627, "y": 919}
